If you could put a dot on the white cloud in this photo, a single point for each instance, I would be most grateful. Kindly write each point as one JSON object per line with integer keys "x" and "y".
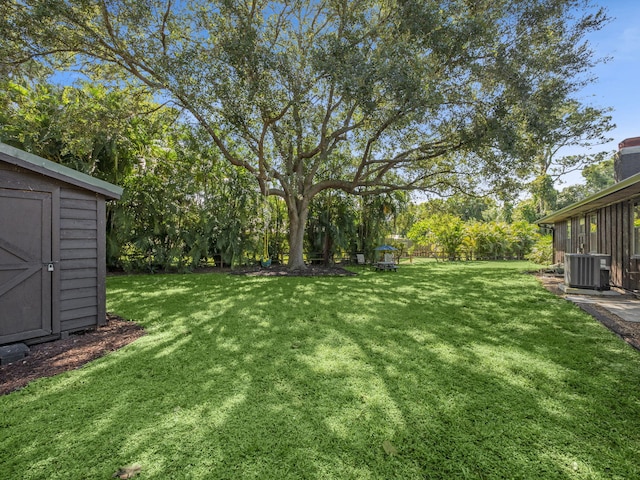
{"x": 630, "y": 41}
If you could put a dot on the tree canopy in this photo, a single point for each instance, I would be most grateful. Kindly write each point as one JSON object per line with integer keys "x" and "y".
{"x": 361, "y": 96}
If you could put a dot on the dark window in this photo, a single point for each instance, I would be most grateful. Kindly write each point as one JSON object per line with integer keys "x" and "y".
{"x": 581, "y": 234}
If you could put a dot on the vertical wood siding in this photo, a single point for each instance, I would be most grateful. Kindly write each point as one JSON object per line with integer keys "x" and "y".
{"x": 78, "y": 259}
{"x": 559, "y": 241}
{"x": 614, "y": 237}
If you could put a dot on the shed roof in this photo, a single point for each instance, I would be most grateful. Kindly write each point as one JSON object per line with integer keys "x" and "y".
{"x": 37, "y": 164}
{"x": 627, "y": 188}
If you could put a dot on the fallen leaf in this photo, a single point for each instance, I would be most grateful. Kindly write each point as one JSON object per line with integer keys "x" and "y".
{"x": 128, "y": 471}
{"x": 389, "y": 448}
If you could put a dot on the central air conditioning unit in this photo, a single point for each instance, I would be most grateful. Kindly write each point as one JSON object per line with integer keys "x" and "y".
{"x": 587, "y": 270}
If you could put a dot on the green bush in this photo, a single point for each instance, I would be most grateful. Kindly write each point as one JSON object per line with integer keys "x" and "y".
{"x": 542, "y": 251}
{"x": 445, "y": 232}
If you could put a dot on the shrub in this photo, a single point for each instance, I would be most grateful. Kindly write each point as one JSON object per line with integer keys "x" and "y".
{"x": 542, "y": 251}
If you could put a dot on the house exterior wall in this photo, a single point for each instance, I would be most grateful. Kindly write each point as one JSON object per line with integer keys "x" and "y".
{"x": 614, "y": 237}
{"x": 559, "y": 241}
{"x": 78, "y": 250}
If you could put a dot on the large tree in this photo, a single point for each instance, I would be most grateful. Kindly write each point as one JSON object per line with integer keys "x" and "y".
{"x": 307, "y": 95}
{"x": 100, "y": 131}
{"x": 562, "y": 125}
{"x": 596, "y": 177}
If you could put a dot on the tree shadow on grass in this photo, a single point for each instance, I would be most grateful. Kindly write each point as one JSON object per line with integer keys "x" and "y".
{"x": 465, "y": 372}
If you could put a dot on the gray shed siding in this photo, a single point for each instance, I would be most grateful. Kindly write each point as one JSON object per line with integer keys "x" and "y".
{"x": 79, "y": 260}
{"x": 78, "y": 291}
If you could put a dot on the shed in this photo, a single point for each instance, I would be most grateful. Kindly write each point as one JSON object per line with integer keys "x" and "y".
{"x": 52, "y": 248}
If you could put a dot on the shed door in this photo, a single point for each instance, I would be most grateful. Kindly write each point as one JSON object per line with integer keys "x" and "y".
{"x": 25, "y": 250}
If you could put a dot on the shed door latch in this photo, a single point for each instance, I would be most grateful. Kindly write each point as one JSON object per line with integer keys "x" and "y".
{"x": 50, "y": 267}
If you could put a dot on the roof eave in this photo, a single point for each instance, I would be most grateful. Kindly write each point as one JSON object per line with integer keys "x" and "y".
{"x": 37, "y": 164}
{"x": 578, "y": 207}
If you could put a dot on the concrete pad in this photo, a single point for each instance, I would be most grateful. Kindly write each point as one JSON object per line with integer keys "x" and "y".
{"x": 13, "y": 353}
{"x": 628, "y": 310}
{"x": 624, "y": 307}
{"x": 587, "y": 291}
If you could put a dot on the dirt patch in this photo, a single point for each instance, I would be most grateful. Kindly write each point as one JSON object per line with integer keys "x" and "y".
{"x": 51, "y": 358}
{"x": 257, "y": 271}
{"x": 283, "y": 271}
{"x": 628, "y": 331}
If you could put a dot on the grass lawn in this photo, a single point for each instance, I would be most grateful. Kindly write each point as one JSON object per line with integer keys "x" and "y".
{"x": 461, "y": 370}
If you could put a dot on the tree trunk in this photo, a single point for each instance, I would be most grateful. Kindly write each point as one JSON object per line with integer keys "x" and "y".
{"x": 298, "y": 212}
{"x": 326, "y": 248}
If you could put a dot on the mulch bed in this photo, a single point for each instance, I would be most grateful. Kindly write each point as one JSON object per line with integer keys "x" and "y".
{"x": 283, "y": 271}
{"x": 51, "y": 358}
{"x": 257, "y": 271}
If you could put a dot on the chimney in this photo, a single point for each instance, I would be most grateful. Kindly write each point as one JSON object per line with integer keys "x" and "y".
{"x": 627, "y": 161}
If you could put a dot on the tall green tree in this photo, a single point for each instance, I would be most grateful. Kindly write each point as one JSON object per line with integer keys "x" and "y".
{"x": 184, "y": 206}
{"x": 332, "y": 225}
{"x": 599, "y": 175}
{"x": 100, "y": 131}
{"x": 105, "y": 132}
{"x": 561, "y": 125}
{"x": 596, "y": 177}
{"x": 362, "y": 96}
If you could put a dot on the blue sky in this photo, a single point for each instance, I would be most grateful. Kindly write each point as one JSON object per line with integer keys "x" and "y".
{"x": 618, "y": 84}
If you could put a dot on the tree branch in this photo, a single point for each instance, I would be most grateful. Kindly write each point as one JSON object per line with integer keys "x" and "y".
{"x": 163, "y": 36}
